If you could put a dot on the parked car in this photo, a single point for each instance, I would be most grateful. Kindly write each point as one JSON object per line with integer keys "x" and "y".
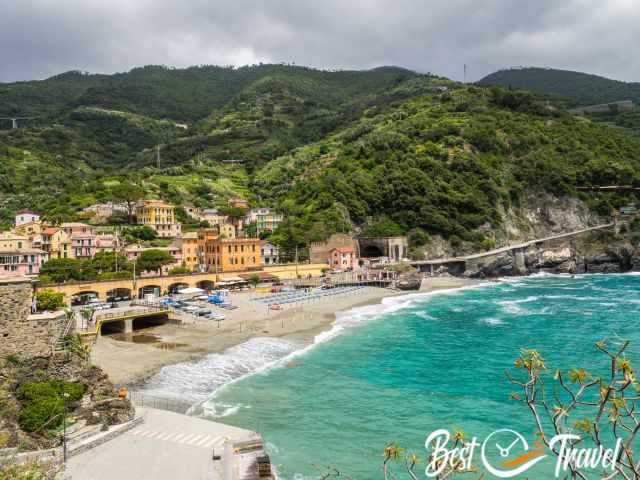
{"x": 191, "y": 308}
{"x": 202, "y": 312}
{"x": 215, "y": 316}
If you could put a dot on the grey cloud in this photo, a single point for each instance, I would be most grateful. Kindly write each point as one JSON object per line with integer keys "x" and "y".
{"x": 43, "y": 37}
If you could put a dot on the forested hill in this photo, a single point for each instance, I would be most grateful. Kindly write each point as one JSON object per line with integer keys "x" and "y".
{"x": 184, "y": 95}
{"x": 581, "y": 88}
{"x": 385, "y": 151}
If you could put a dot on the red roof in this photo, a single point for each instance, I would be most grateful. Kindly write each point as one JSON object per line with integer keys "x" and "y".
{"x": 22, "y": 212}
{"x": 50, "y": 230}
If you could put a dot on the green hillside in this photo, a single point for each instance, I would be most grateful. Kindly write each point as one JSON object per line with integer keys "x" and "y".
{"x": 386, "y": 151}
{"x": 580, "y": 88}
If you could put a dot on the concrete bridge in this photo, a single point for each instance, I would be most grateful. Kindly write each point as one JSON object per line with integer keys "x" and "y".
{"x": 158, "y": 285}
{"x": 457, "y": 265}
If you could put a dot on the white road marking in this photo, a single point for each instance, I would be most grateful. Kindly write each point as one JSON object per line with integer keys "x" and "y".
{"x": 178, "y": 437}
{"x": 187, "y": 438}
{"x": 203, "y": 441}
{"x": 171, "y": 437}
{"x": 195, "y": 440}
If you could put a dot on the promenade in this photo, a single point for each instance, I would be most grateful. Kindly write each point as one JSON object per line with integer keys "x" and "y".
{"x": 166, "y": 446}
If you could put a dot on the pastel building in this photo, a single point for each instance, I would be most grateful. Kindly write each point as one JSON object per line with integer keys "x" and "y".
{"x": 190, "y": 250}
{"x": 264, "y": 218}
{"x": 160, "y": 216}
{"x": 56, "y": 242}
{"x": 26, "y": 216}
{"x": 343, "y": 258}
{"x": 20, "y": 262}
{"x": 83, "y": 239}
{"x": 218, "y": 254}
{"x": 269, "y": 253}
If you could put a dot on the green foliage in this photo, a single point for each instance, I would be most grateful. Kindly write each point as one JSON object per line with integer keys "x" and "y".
{"x": 179, "y": 270}
{"x": 254, "y": 280}
{"x": 48, "y": 300}
{"x": 43, "y": 403}
{"x": 582, "y": 88}
{"x": 417, "y": 237}
{"x": 153, "y": 260}
{"x": 144, "y": 233}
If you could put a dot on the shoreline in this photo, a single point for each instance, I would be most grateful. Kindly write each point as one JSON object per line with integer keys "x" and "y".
{"x": 132, "y": 364}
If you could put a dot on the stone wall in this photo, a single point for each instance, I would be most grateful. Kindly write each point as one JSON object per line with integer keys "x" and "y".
{"x": 319, "y": 251}
{"x": 21, "y": 334}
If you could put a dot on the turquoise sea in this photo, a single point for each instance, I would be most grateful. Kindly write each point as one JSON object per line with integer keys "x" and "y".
{"x": 397, "y": 371}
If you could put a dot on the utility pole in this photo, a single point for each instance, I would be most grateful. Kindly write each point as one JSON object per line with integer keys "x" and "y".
{"x": 158, "y": 155}
{"x": 296, "y": 261}
{"x": 465, "y": 73}
{"x": 135, "y": 290}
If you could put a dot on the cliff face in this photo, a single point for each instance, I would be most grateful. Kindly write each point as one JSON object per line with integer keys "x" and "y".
{"x": 594, "y": 253}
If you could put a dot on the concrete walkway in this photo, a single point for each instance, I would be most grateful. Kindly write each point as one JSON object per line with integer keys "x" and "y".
{"x": 166, "y": 446}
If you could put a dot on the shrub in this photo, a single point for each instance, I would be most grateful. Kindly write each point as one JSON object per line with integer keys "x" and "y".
{"x": 49, "y": 300}
{"x": 43, "y": 403}
{"x": 45, "y": 413}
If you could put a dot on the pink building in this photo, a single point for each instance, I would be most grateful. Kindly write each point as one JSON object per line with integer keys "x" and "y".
{"x": 342, "y": 257}
{"x": 26, "y": 216}
{"x": 83, "y": 239}
{"x": 23, "y": 261}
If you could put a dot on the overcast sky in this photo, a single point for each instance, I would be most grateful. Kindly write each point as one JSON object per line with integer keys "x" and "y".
{"x": 41, "y": 38}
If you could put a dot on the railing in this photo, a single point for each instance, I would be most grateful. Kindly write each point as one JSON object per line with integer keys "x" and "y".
{"x": 57, "y": 345}
{"x": 142, "y": 399}
{"x": 131, "y": 313}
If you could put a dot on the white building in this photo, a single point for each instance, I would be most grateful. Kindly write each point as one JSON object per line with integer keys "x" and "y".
{"x": 269, "y": 253}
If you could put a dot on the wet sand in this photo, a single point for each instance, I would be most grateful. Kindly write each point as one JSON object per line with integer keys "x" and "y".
{"x": 131, "y": 362}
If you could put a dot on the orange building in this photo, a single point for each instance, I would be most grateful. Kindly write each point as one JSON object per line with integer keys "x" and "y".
{"x": 218, "y": 254}
{"x": 190, "y": 250}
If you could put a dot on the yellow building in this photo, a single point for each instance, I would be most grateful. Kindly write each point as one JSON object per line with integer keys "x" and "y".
{"x": 56, "y": 242}
{"x": 12, "y": 241}
{"x": 29, "y": 228}
{"x": 219, "y": 254}
{"x": 160, "y": 216}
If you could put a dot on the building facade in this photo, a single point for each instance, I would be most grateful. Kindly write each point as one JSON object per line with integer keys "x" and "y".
{"x": 159, "y": 216}
{"x": 56, "y": 242}
{"x": 343, "y": 258}
{"x": 190, "y": 250}
{"x": 265, "y": 219}
{"x": 218, "y": 254}
{"x": 26, "y": 216}
{"x": 21, "y": 262}
{"x": 269, "y": 253}
{"x": 83, "y": 239}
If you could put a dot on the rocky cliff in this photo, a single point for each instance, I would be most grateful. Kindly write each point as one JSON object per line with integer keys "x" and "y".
{"x": 601, "y": 252}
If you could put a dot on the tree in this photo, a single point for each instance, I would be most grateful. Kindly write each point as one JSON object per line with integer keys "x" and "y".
{"x": 600, "y": 408}
{"x": 254, "y": 280}
{"x": 109, "y": 262}
{"x": 129, "y": 193}
{"x": 48, "y": 300}
{"x": 153, "y": 260}
{"x": 64, "y": 269}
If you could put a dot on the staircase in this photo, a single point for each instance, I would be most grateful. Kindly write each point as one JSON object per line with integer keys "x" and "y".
{"x": 58, "y": 343}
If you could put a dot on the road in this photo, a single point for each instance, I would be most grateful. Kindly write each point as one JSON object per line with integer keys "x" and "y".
{"x": 497, "y": 251}
{"x": 167, "y": 446}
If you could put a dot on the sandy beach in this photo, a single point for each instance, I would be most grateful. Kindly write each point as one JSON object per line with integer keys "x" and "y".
{"x": 130, "y": 360}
